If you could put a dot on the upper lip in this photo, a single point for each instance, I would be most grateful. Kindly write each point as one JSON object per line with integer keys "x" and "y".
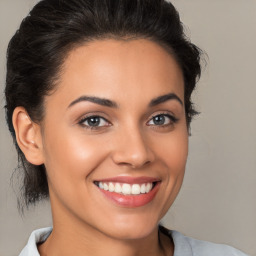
{"x": 130, "y": 180}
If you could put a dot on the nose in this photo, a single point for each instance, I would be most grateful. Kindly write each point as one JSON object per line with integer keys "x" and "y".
{"x": 132, "y": 149}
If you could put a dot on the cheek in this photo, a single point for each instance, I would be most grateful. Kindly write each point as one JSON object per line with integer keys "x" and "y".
{"x": 178, "y": 152}
{"x": 174, "y": 150}
{"x": 70, "y": 159}
{"x": 175, "y": 154}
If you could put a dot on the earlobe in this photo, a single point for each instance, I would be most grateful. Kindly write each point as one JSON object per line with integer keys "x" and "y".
{"x": 28, "y": 136}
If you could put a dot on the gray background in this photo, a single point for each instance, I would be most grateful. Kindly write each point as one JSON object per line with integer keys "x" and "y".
{"x": 217, "y": 200}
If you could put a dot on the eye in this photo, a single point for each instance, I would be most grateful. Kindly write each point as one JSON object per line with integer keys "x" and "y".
{"x": 93, "y": 122}
{"x": 162, "y": 120}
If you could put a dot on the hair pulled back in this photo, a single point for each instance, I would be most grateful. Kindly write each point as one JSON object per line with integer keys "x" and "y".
{"x": 53, "y": 27}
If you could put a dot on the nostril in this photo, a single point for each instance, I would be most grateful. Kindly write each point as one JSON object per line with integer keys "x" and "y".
{"x": 142, "y": 164}
{"x": 132, "y": 161}
{"x": 132, "y": 150}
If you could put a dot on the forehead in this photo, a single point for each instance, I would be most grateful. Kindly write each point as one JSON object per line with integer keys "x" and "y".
{"x": 118, "y": 69}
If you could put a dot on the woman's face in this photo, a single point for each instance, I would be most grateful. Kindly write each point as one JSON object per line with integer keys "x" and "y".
{"x": 115, "y": 137}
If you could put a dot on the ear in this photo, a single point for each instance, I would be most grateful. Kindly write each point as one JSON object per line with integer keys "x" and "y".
{"x": 28, "y": 136}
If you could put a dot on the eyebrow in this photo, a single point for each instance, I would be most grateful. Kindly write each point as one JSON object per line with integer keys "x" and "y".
{"x": 97, "y": 100}
{"x": 164, "y": 98}
{"x": 112, "y": 104}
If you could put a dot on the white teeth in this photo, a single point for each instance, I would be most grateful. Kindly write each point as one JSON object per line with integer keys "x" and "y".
{"x": 148, "y": 187}
{"x": 118, "y": 188}
{"x": 101, "y": 185}
{"x": 105, "y": 186}
{"x": 111, "y": 187}
{"x": 126, "y": 189}
{"x": 143, "y": 189}
{"x": 135, "y": 189}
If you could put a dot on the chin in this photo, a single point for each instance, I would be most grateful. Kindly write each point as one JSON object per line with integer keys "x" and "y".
{"x": 132, "y": 228}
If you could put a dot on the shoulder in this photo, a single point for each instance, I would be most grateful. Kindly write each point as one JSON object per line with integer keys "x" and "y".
{"x": 203, "y": 248}
{"x": 187, "y": 246}
{"x": 37, "y": 236}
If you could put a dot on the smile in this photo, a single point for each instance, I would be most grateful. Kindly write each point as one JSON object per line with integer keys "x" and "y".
{"x": 128, "y": 191}
{"x": 125, "y": 188}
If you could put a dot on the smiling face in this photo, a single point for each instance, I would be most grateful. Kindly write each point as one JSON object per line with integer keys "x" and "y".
{"x": 115, "y": 138}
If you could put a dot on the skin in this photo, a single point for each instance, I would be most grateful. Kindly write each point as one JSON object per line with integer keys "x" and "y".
{"x": 128, "y": 142}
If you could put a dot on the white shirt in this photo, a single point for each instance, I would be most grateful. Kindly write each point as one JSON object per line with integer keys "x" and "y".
{"x": 183, "y": 245}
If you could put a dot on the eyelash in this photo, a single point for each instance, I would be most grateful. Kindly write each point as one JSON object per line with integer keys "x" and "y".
{"x": 172, "y": 121}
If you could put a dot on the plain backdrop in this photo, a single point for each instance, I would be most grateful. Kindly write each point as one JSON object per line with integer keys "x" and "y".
{"x": 217, "y": 201}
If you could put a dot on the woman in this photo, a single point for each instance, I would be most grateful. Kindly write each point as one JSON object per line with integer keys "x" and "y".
{"x": 98, "y": 102}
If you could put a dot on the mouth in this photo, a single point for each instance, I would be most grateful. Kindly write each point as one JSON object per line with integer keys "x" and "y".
{"x": 126, "y": 188}
{"x": 129, "y": 192}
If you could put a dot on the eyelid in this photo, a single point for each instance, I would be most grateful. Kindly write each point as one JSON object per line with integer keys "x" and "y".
{"x": 92, "y": 114}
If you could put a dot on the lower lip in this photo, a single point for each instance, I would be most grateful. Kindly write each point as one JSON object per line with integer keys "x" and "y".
{"x": 131, "y": 201}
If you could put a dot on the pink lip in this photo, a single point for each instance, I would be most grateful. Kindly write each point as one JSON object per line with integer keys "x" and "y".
{"x": 130, "y": 180}
{"x": 131, "y": 201}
